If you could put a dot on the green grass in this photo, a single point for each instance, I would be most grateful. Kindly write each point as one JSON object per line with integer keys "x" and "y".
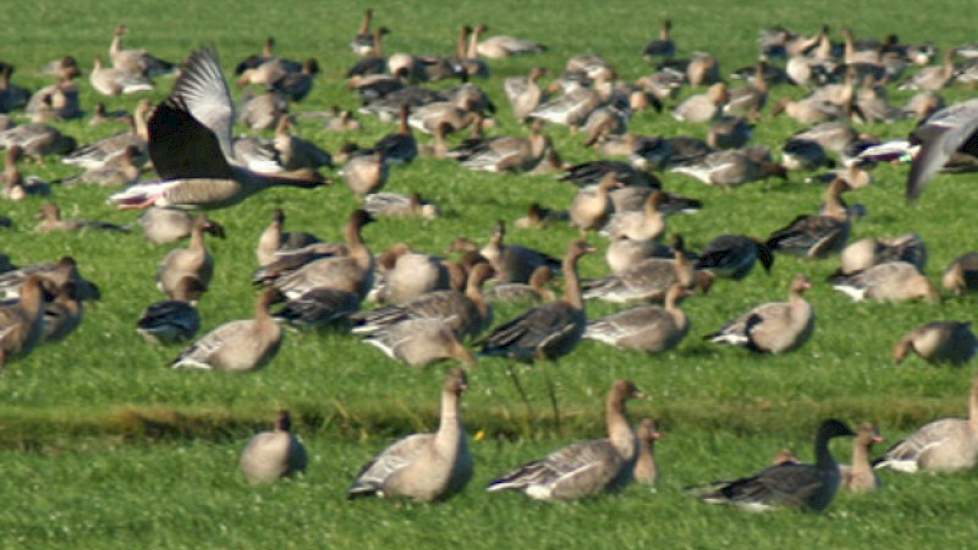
{"x": 104, "y": 446}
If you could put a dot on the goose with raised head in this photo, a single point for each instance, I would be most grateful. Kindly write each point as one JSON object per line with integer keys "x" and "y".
{"x": 859, "y": 476}
{"x": 51, "y": 220}
{"x": 514, "y": 263}
{"x": 112, "y": 81}
{"x": 809, "y": 486}
{"x": 424, "y": 467}
{"x": 944, "y": 446}
{"x": 270, "y": 456}
{"x": 22, "y": 322}
{"x": 353, "y": 272}
{"x": 274, "y": 238}
{"x": 734, "y": 256}
{"x": 135, "y": 61}
{"x": 238, "y": 346}
{"x": 646, "y": 469}
{"x": 886, "y": 282}
{"x": 393, "y": 205}
{"x": 191, "y": 147}
{"x": 175, "y": 320}
{"x": 195, "y": 261}
{"x": 865, "y": 253}
{"x": 583, "y": 469}
{"x": 703, "y": 107}
{"x": 774, "y": 327}
{"x": 938, "y": 342}
{"x": 962, "y": 275}
{"x": 651, "y": 329}
{"x": 551, "y": 330}
{"x": 816, "y": 236}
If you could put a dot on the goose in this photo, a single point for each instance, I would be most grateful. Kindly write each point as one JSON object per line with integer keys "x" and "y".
{"x": 962, "y": 274}
{"x": 363, "y": 42}
{"x": 63, "y": 314}
{"x": 890, "y": 281}
{"x": 590, "y": 209}
{"x": 167, "y": 225}
{"x": 645, "y": 328}
{"x": 16, "y": 187}
{"x": 663, "y": 46}
{"x": 237, "y": 346}
{"x": 393, "y": 205}
{"x": 932, "y": 79}
{"x": 703, "y": 107}
{"x": 263, "y": 111}
{"x": 319, "y": 307}
{"x": 51, "y": 220}
{"x": 949, "y": 130}
{"x": 944, "y": 446}
{"x": 136, "y": 62}
{"x": 938, "y": 342}
{"x": 774, "y": 327}
{"x": 353, "y": 272}
{"x": 524, "y": 93}
{"x": 865, "y": 253}
{"x": 583, "y": 469}
{"x": 649, "y": 279}
{"x": 646, "y": 470}
{"x": 810, "y": 486}
{"x": 366, "y": 174}
{"x": 22, "y": 322}
{"x": 466, "y": 313}
{"x": 816, "y": 236}
{"x": 423, "y": 467}
{"x": 730, "y": 168}
{"x": 648, "y": 223}
{"x": 859, "y": 477}
{"x": 295, "y": 153}
{"x": 38, "y": 140}
{"x": 514, "y": 263}
{"x": 95, "y": 155}
{"x": 53, "y": 274}
{"x": 588, "y": 173}
{"x": 297, "y": 85}
{"x": 272, "y": 455}
{"x": 119, "y": 170}
{"x": 728, "y": 132}
{"x": 420, "y": 342}
{"x": 195, "y": 261}
{"x": 734, "y": 256}
{"x": 551, "y": 330}
{"x": 190, "y": 146}
{"x": 274, "y": 239}
{"x": 112, "y": 81}
{"x": 401, "y": 147}
{"x": 538, "y": 217}
{"x": 503, "y": 46}
{"x": 406, "y": 275}
{"x": 534, "y": 291}
{"x": 175, "y": 320}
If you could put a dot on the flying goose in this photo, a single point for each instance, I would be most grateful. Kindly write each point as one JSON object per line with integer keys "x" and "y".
{"x": 816, "y": 236}
{"x": 22, "y": 322}
{"x": 423, "y": 467}
{"x": 646, "y": 470}
{"x": 237, "y": 346}
{"x": 962, "y": 275}
{"x": 945, "y": 446}
{"x": 645, "y": 328}
{"x": 938, "y": 342}
{"x": 195, "y": 261}
{"x": 859, "y": 477}
{"x": 583, "y": 469}
{"x": 51, "y": 220}
{"x": 946, "y": 132}
{"x": 190, "y": 146}
{"x": 811, "y": 486}
{"x": 272, "y": 455}
{"x": 774, "y": 327}
{"x": 865, "y": 253}
{"x": 734, "y": 256}
{"x": 175, "y": 320}
{"x": 890, "y": 281}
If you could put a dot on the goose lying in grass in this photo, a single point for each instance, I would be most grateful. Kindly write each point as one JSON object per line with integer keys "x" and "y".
{"x": 774, "y": 327}
{"x": 938, "y": 342}
{"x": 270, "y": 456}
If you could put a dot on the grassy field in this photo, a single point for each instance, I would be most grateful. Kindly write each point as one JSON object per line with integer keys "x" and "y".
{"x": 102, "y": 446}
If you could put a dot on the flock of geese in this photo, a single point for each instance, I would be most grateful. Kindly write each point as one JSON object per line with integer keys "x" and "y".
{"x": 429, "y": 307}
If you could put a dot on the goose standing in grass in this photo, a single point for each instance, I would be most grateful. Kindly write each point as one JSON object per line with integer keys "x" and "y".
{"x": 190, "y": 146}
{"x": 238, "y": 346}
{"x": 423, "y": 467}
{"x": 809, "y": 486}
{"x": 195, "y": 261}
{"x": 816, "y": 236}
{"x": 944, "y": 446}
{"x": 651, "y": 329}
{"x": 646, "y": 469}
{"x": 950, "y": 130}
{"x": 938, "y": 342}
{"x": 734, "y": 256}
{"x": 859, "y": 477}
{"x": 865, "y": 253}
{"x": 583, "y": 469}
{"x": 175, "y": 320}
{"x": 962, "y": 275}
{"x": 774, "y": 327}
{"x": 703, "y": 107}
{"x": 22, "y": 322}
{"x": 274, "y": 239}
{"x": 272, "y": 455}
{"x": 112, "y": 82}
{"x": 51, "y": 221}
{"x": 891, "y": 281}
